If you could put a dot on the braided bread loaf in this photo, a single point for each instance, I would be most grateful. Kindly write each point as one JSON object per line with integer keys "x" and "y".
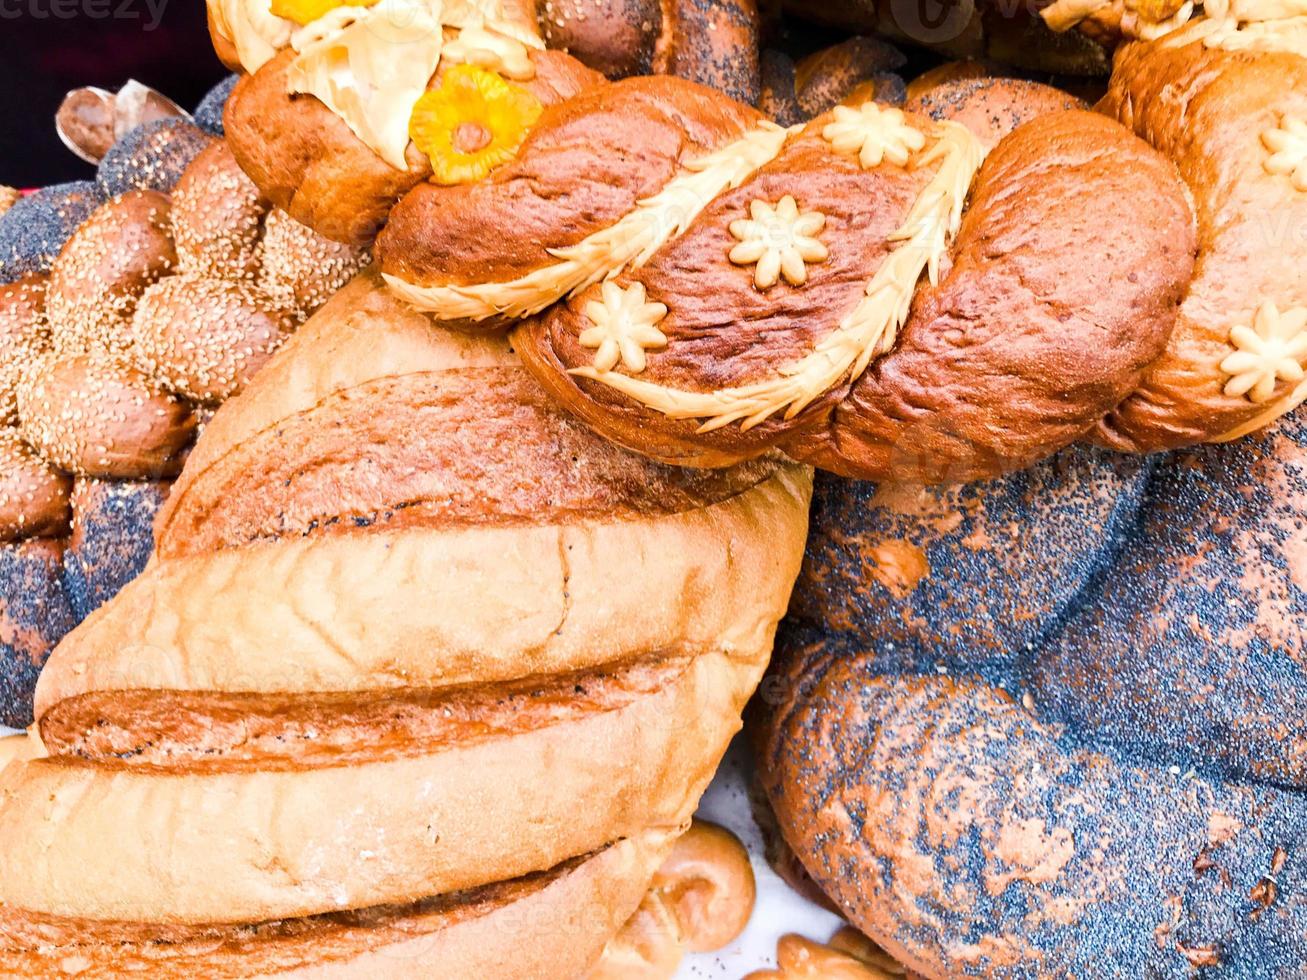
{"x": 421, "y": 672}
{"x": 862, "y": 293}
{"x": 1050, "y": 726}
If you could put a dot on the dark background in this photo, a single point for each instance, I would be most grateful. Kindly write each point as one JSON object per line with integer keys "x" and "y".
{"x": 93, "y": 42}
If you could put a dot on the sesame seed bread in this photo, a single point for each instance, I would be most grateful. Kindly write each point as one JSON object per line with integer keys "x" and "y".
{"x": 157, "y": 308}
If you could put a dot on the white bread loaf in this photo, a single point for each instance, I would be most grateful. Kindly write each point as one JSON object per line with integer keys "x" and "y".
{"x": 421, "y": 671}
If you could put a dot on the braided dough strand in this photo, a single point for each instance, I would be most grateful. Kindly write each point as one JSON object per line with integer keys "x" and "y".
{"x": 867, "y": 332}
{"x": 631, "y": 242}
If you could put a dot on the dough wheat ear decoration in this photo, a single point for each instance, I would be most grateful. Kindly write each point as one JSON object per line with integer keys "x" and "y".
{"x": 629, "y": 243}
{"x": 867, "y": 332}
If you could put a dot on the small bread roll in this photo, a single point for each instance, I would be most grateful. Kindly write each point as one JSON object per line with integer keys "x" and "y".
{"x": 824, "y": 79}
{"x": 991, "y": 107}
{"x": 33, "y": 494}
{"x": 96, "y": 415}
{"x": 615, "y": 38}
{"x": 699, "y": 901}
{"x": 950, "y": 71}
{"x": 217, "y": 215}
{"x": 204, "y": 339}
{"x": 299, "y": 270}
{"x": 23, "y": 335}
{"x": 95, "y": 282}
{"x": 8, "y": 197}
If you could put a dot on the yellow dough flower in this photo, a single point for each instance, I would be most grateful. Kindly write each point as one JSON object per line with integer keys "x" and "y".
{"x": 305, "y": 12}
{"x": 472, "y": 123}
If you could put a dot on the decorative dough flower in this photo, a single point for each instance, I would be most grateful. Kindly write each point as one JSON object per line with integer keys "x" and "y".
{"x": 1288, "y": 146}
{"x": 472, "y": 123}
{"x": 1270, "y": 351}
{"x": 623, "y": 327}
{"x": 875, "y": 133}
{"x": 781, "y": 240}
{"x": 305, "y": 12}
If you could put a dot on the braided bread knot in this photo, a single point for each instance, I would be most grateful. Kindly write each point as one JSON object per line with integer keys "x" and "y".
{"x": 770, "y": 285}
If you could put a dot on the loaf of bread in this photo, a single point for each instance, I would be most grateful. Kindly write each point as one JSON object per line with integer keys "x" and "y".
{"x": 472, "y": 670}
{"x": 816, "y": 345}
{"x": 1048, "y": 726}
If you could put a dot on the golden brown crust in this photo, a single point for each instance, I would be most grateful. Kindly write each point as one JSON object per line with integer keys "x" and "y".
{"x": 1001, "y": 364}
{"x": 730, "y": 332}
{"x": 525, "y": 929}
{"x": 205, "y": 732}
{"x": 24, "y": 335}
{"x": 217, "y": 217}
{"x": 1011, "y": 358}
{"x": 307, "y": 161}
{"x": 1209, "y": 109}
{"x": 97, "y": 279}
{"x": 33, "y": 494}
{"x": 96, "y": 415}
{"x": 587, "y": 163}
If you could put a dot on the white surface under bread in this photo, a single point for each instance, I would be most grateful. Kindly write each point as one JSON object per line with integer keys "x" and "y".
{"x": 780, "y": 909}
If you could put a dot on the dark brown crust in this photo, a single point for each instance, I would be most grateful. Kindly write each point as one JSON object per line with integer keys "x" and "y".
{"x": 317, "y": 472}
{"x": 711, "y": 42}
{"x": 989, "y": 107}
{"x": 310, "y": 164}
{"x": 1025, "y": 345}
{"x": 615, "y": 38}
{"x": 588, "y": 163}
{"x": 826, "y": 78}
{"x": 714, "y": 43}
